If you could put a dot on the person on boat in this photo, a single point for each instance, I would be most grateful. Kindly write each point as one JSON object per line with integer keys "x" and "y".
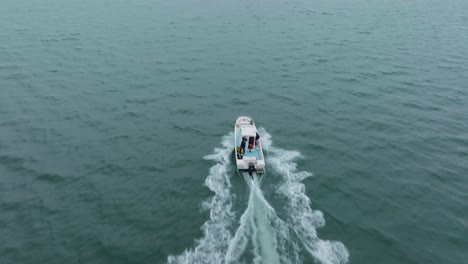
{"x": 242, "y": 145}
{"x": 251, "y": 143}
{"x": 257, "y": 137}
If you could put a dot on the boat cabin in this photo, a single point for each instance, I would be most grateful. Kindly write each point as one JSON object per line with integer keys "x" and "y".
{"x": 247, "y": 141}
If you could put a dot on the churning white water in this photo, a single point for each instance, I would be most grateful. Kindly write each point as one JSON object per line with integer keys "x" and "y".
{"x": 261, "y": 236}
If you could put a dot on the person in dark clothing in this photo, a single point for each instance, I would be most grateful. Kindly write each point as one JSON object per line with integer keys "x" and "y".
{"x": 242, "y": 145}
{"x": 251, "y": 143}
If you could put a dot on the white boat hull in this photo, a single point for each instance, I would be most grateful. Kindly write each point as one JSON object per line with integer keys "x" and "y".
{"x": 250, "y": 157}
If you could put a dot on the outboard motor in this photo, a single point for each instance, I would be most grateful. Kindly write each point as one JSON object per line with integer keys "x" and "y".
{"x": 251, "y": 168}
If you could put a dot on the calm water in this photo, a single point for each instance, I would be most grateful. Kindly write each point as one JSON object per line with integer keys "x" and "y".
{"x": 115, "y": 121}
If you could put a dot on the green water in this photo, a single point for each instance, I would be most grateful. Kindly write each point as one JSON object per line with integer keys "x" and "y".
{"x": 115, "y": 122}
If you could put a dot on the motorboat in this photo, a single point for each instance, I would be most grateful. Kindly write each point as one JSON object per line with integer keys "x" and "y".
{"x": 247, "y": 148}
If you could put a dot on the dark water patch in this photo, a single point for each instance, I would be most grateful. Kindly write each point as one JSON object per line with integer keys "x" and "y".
{"x": 16, "y": 121}
{"x": 50, "y": 178}
{"x": 17, "y": 76}
{"x": 284, "y": 99}
{"x": 10, "y": 206}
{"x": 188, "y": 129}
{"x": 10, "y": 67}
{"x": 115, "y": 139}
{"x": 387, "y": 238}
{"x": 393, "y": 73}
{"x": 239, "y": 102}
{"x": 184, "y": 112}
{"x": 16, "y": 163}
{"x": 110, "y": 169}
{"x": 317, "y": 147}
{"x": 421, "y": 106}
{"x": 132, "y": 114}
{"x": 361, "y": 94}
{"x": 143, "y": 101}
{"x": 111, "y": 90}
{"x": 182, "y": 163}
{"x": 152, "y": 169}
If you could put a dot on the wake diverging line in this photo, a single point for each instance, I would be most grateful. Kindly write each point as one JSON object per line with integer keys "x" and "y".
{"x": 261, "y": 237}
{"x": 255, "y": 225}
{"x": 212, "y": 247}
{"x": 302, "y": 219}
{"x": 260, "y": 227}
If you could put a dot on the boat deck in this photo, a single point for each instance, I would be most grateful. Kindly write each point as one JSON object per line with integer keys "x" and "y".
{"x": 253, "y": 152}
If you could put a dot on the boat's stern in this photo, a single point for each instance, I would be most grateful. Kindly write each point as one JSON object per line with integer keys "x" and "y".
{"x": 247, "y": 163}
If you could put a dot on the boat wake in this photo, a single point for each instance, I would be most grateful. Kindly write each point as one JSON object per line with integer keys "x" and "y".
{"x": 261, "y": 236}
{"x": 301, "y": 218}
{"x": 213, "y": 246}
{"x": 259, "y": 226}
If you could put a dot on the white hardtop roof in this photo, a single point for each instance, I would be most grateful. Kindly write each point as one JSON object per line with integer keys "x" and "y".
{"x": 248, "y": 131}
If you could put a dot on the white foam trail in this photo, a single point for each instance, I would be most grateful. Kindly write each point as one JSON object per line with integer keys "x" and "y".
{"x": 268, "y": 234}
{"x": 270, "y": 237}
{"x": 211, "y": 248}
{"x": 240, "y": 240}
{"x": 254, "y": 226}
{"x": 265, "y": 235}
{"x": 303, "y": 220}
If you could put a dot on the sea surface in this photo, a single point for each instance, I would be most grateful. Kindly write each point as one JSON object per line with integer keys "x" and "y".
{"x": 116, "y": 122}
